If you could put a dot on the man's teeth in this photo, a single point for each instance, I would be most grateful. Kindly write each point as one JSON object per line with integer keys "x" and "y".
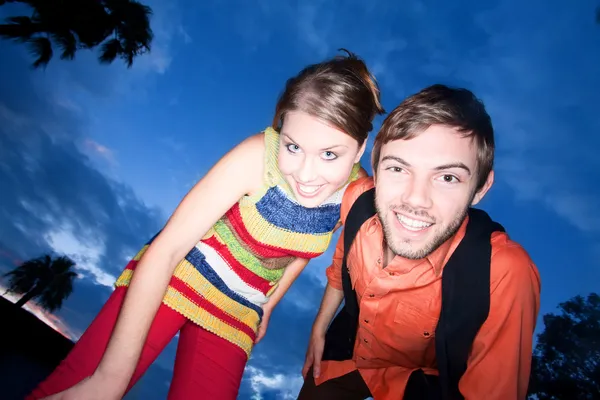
{"x": 412, "y": 223}
{"x": 309, "y": 189}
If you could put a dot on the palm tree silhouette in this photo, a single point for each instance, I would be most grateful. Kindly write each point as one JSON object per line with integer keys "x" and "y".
{"x": 120, "y": 27}
{"x": 46, "y": 279}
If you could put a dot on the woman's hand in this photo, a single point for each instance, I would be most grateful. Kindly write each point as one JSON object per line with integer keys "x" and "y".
{"x": 262, "y": 328}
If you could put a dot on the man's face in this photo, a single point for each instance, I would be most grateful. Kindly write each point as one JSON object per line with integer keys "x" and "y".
{"x": 424, "y": 187}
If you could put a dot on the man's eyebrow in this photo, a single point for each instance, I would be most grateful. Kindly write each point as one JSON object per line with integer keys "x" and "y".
{"x": 438, "y": 168}
{"x": 397, "y": 159}
{"x": 453, "y": 165}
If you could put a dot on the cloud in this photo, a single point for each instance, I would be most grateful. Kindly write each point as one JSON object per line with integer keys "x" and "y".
{"x": 519, "y": 60}
{"x": 168, "y": 31}
{"x": 96, "y": 149}
{"x": 286, "y": 386}
{"x": 75, "y": 82}
{"x": 543, "y": 111}
{"x": 85, "y": 255}
{"x": 55, "y": 200}
{"x": 275, "y": 365}
{"x": 314, "y": 27}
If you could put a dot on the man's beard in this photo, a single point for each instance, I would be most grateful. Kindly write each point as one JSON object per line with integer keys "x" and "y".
{"x": 402, "y": 248}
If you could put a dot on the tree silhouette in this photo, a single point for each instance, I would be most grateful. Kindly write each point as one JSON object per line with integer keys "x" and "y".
{"x": 566, "y": 360}
{"x": 46, "y": 279}
{"x": 120, "y": 27}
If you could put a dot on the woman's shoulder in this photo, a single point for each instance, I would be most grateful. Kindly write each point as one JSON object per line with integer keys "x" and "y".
{"x": 247, "y": 157}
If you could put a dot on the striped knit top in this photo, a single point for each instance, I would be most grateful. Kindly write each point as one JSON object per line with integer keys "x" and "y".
{"x": 227, "y": 277}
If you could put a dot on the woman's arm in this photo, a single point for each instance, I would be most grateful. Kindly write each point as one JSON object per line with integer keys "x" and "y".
{"x": 292, "y": 271}
{"x": 236, "y": 174}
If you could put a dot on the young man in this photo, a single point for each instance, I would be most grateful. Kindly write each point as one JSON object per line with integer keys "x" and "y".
{"x": 432, "y": 160}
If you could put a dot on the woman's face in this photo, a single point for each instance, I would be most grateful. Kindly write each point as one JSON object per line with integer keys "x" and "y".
{"x": 315, "y": 158}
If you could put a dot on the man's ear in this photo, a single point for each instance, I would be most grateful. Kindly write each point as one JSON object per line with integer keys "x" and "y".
{"x": 483, "y": 191}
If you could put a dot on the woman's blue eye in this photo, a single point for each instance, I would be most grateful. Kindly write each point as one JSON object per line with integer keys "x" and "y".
{"x": 329, "y": 155}
{"x": 293, "y": 148}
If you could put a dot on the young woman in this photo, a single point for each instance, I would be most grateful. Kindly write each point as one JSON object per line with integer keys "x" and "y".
{"x": 232, "y": 248}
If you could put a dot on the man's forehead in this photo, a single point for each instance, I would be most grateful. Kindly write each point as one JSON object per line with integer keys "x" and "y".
{"x": 444, "y": 145}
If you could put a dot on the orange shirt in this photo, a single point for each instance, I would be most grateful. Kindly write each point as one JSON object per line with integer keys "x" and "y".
{"x": 400, "y": 306}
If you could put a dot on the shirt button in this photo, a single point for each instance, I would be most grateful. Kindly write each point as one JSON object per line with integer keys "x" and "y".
{"x": 392, "y": 273}
{"x": 371, "y": 295}
{"x": 366, "y": 321}
{"x": 426, "y": 334}
{"x": 379, "y": 261}
{"x": 365, "y": 340}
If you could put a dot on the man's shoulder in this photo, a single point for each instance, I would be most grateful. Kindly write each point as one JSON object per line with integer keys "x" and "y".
{"x": 510, "y": 261}
{"x": 353, "y": 191}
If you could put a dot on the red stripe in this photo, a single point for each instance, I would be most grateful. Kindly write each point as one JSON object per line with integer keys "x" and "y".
{"x": 264, "y": 250}
{"x": 251, "y": 279}
{"x": 202, "y": 302}
{"x": 131, "y": 264}
{"x": 234, "y": 216}
{"x": 205, "y": 304}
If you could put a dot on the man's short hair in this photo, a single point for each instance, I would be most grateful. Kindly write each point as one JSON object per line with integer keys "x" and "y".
{"x": 441, "y": 105}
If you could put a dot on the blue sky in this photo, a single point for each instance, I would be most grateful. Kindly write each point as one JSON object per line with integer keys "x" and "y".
{"x": 93, "y": 158}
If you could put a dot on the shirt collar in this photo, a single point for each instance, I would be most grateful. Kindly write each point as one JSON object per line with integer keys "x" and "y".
{"x": 440, "y": 256}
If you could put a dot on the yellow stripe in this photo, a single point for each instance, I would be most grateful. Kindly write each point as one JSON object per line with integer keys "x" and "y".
{"x": 178, "y": 302}
{"x": 139, "y": 255}
{"x": 271, "y": 235}
{"x": 190, "y": 275}
{"x": 125, "y": 278}
{"x": 272, "y": 174}
{"x": 199, "y": 284}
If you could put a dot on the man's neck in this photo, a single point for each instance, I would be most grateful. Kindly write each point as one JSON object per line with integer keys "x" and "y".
{"x": 388, "y": 255}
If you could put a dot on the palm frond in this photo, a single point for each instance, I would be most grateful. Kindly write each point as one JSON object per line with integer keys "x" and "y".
{"x": 67, "y": 43}
{"x": 131, "y": 26}
{"x": 41, "y": 47}
{"x": 18, "y": 28}
{"x": 20, "y": 20}
{"x": 61, "y": 265}
{"x": 19, "y": 281}
{"x": 57, "y": 292}
{"x": 110, "y": 50}
{"x": 27, "y": 275}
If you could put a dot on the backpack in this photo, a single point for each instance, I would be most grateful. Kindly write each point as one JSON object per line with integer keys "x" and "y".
{"x": 465, "y": 304}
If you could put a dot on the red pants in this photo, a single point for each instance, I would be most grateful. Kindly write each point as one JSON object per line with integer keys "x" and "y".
{"x": 205, "y": 363}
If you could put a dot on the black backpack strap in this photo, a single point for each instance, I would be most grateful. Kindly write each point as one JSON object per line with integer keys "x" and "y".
{"x": 465, "y": 301}
{"x": 341, "y": 333}
{"x": 362, "y": 209}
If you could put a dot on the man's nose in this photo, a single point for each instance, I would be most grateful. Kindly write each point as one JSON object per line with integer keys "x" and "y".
{"x": 417, "y": 194}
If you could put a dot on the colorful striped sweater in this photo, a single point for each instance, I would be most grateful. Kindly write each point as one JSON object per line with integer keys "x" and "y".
{"x": 225, "y": 279}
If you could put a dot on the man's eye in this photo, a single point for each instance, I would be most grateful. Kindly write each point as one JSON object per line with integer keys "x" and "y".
{"x": 450, "y": 179}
